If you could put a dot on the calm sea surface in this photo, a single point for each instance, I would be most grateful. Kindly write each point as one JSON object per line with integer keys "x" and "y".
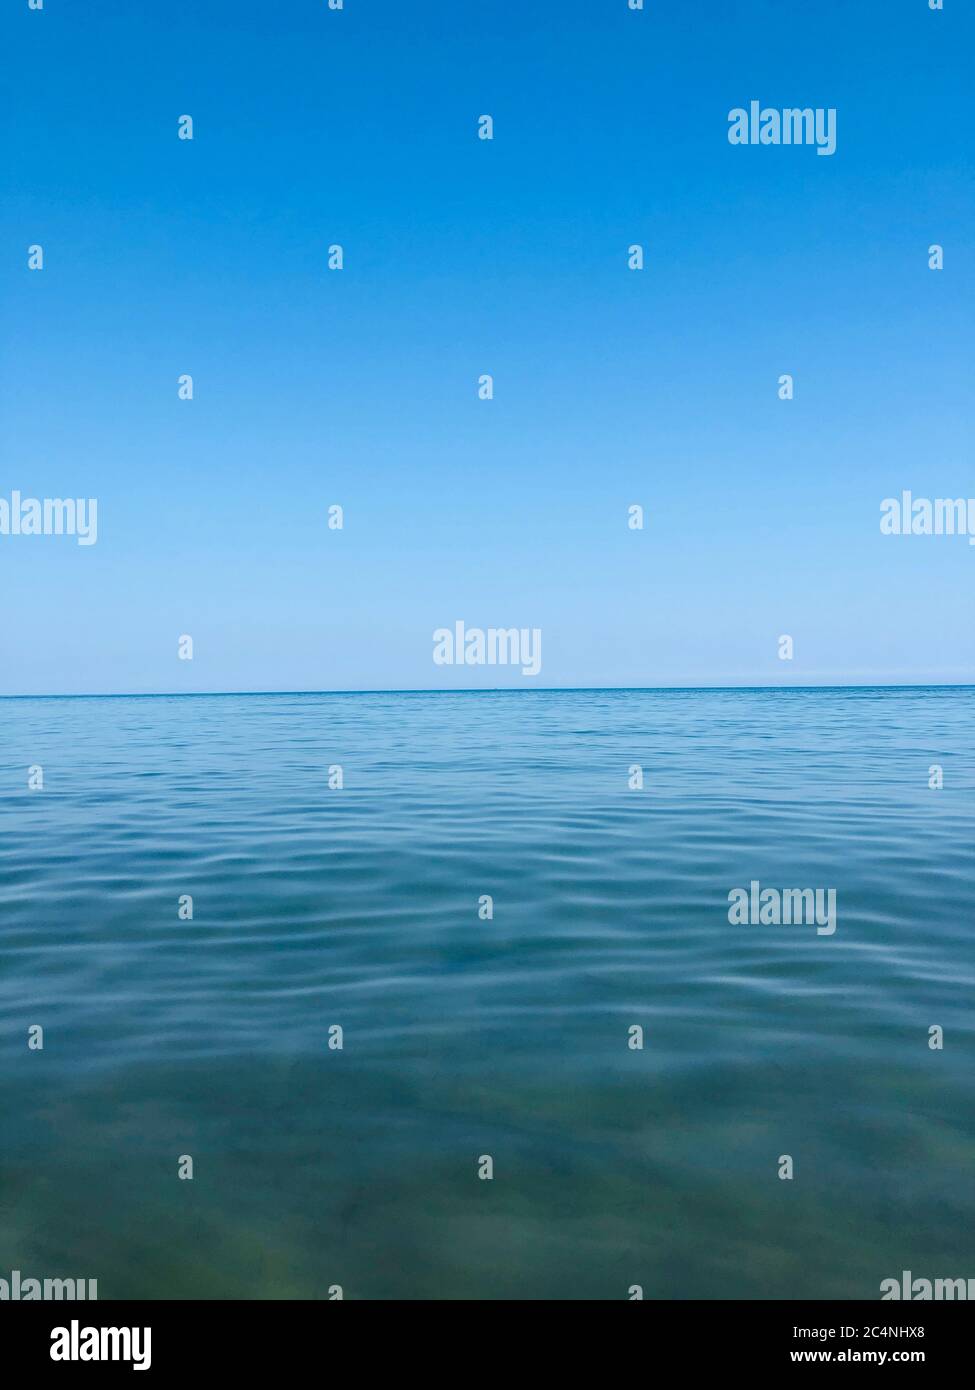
{"x": 507, "y": 1037}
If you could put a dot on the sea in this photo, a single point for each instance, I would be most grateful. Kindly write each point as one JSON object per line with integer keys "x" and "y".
{"x": 438, "y": 996}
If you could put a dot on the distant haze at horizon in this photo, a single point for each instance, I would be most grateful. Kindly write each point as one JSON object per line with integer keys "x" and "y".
{"x": 526, "y": 689}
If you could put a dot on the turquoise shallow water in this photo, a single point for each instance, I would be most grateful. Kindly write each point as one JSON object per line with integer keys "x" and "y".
{"x": 463, "y": 1037}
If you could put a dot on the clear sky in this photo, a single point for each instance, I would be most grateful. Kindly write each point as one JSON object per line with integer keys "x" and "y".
{"x": 464, "y": 256}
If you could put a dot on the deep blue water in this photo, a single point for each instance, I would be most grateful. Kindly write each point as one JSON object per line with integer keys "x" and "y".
{"x": 463, "y": 1037}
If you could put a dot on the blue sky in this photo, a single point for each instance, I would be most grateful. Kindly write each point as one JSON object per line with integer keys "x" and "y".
{"x": 464, "y": 256}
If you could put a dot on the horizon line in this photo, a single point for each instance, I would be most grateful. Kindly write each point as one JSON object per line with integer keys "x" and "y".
{"x": 485, "y": 690}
